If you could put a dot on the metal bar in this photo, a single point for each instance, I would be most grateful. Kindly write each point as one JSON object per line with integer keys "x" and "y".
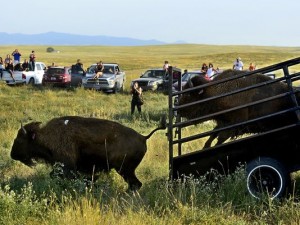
{"x": 290, "y": 85}
{"x": 234, "y": 92}
{"x": 170, "y": 124}
{"x": 208, "y": 117}
{"x": 204, "y": 134}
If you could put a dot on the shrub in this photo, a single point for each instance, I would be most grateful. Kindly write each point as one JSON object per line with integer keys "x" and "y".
{"x": 50, "y": 49}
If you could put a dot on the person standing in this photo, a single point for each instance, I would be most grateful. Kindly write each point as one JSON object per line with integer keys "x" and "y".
{"x": 204, "y": 68}
{"x": 1, "y": 63}
{"x": 1, "y": 67}
{"x": 137, "y": 99}
{"x": 252, "y": 66}
{"x": 32, "y": 60}
{"x": 210, "y": 71}
{"x": 79, "y": 65}
{"x": 166, "y": 67}
{"x": 17, "y": 56}
{"x": 238, "y": 64}
{"x": 7, "y": 60}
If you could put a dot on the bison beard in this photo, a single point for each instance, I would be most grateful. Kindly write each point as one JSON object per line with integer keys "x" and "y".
{"x": 242, "y": 98}
{"x": 85, "y": 145}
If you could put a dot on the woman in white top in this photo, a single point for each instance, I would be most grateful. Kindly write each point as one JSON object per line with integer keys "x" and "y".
{"x": 210, "y": 71}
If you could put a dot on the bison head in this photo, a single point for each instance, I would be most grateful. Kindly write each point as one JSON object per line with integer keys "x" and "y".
{"x": 22, "y": 146}
{"x": 192, "y": 96}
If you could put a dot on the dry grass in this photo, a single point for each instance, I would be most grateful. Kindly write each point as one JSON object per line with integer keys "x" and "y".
{"x": 29, "y": 196}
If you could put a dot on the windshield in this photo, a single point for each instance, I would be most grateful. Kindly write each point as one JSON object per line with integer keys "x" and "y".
{"x": 188, "y": 76}
{"x": 56, "y": 71}
{"x": 107, "y": 69}
{"x": 153, "y": 74}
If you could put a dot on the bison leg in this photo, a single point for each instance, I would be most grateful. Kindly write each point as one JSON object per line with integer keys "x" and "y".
{"x": 131, "y": 179}
{"x": 221, "y": 136}
{"x": 210, "y": 140}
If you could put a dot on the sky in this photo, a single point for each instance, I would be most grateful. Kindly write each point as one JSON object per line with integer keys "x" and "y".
{"x": 218, "y": 22}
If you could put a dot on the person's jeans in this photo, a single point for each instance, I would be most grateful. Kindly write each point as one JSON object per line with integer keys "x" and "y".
{"x": 32, "y": 65}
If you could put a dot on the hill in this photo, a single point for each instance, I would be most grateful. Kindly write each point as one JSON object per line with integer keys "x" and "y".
{"x": 54, "y": 38}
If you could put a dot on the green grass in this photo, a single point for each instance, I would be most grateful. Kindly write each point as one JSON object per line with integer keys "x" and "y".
{"x": 29, "y": 196}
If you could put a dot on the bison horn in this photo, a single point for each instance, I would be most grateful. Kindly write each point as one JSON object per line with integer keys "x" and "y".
{"x": 190, "y": 83}
{"x": 24, "y": 130}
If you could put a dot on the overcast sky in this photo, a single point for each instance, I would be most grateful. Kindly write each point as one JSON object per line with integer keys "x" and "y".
{"x": 249, "y": 22}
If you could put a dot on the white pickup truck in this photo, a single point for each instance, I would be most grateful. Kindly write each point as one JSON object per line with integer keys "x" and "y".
{"x": 25, "y": 77}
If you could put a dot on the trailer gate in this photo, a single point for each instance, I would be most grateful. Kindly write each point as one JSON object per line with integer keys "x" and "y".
{"x": 176, "y": 124}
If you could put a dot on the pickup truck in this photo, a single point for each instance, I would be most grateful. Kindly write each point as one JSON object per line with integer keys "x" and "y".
{"x": 112, "y": 80}
{"x": 25, "y": 77}
{"x": 156, "y": 79}
{"x": 269, "y": 120}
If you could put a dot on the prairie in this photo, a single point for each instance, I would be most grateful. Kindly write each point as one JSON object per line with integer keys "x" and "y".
{"x": 29, "y": 196}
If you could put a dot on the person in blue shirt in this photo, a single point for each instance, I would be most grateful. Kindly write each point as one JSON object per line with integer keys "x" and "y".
{"x": 17, "y": 56}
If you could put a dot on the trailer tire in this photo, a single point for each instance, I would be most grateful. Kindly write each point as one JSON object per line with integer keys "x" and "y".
{"x": 267, "y": 176}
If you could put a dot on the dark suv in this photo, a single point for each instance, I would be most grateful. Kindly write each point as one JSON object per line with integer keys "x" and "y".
{"x": 57, "y": 76}
{"x": 156, "y": 79}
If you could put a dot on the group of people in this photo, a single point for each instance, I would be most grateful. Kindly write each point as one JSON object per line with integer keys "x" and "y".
{"x": 209, "y": 70}
{"x": 239, "y": 65}
{"x": 14, "y": 62}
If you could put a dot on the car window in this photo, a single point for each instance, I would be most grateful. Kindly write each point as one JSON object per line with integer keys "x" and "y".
{"x": 92, "y": 69}
{"x": 56, "y": 71}
{"x": 188, "y": 76}
{"x": 109, "y": 69}
{"x": 38, "y": 67}
{"x": 154, "y": 73}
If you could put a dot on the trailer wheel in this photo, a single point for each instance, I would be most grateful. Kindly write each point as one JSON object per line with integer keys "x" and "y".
{"x": 266, "y": 176}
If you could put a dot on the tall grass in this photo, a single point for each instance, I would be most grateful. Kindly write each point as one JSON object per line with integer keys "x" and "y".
{"x": 29, "y": 196}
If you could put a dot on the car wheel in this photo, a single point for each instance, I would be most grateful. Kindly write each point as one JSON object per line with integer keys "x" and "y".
{"x": 122, "y": 88}
{"x": 31, "y": 81}
{"x": 267, "y": 176}
{"x": 115, "y": 88}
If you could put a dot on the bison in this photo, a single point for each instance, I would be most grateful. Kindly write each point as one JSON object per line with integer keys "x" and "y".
{"x": 85, "y": 145}
{"x": 207, "y": 108}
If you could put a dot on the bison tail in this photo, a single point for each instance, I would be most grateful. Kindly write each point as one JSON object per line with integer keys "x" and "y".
{"x": 162, "y": 126}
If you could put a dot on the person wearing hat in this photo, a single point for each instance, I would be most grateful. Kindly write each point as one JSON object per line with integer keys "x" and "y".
{"x": 238, "y": 64}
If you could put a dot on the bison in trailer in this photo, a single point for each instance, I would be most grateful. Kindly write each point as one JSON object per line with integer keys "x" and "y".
{"x": 85, "y": 145}
{"x": 257, "y": 124}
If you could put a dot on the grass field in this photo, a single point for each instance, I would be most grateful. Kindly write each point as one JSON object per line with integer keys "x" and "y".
{"x": 29, "y": 196}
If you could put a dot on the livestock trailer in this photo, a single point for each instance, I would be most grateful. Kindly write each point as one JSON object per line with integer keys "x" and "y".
{"x": 270, "y": 154}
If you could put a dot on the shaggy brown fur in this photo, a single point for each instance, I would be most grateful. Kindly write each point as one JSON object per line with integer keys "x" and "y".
{"x": 235, "y": 100}
{"x": 83, "y": 144}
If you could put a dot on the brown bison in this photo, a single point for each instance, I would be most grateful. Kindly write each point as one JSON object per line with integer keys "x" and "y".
{"x": 85, "y": 145}
{"x": 207, "y": 108}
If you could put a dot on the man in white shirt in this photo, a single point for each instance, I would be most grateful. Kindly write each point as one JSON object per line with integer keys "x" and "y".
{"x": 238, "y": 64}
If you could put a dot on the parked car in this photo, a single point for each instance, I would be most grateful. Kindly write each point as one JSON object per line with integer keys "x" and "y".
{"x": 57, "y": 76}
{"x": 112, "y": 80}
{"x": 26, "y": 76}
{"x": 7, "y": 78}
{"x": 156, "y": 79}
{"x": 185, "y": 77}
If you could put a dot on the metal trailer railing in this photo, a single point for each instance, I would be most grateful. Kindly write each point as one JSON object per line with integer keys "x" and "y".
{"x": 175, "y": 124}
